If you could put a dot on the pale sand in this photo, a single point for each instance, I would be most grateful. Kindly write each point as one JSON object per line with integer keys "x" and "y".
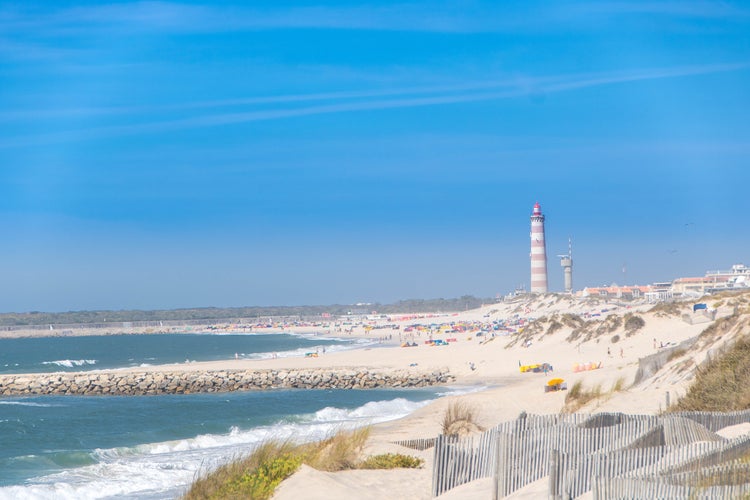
{"x": 506, "y": 392}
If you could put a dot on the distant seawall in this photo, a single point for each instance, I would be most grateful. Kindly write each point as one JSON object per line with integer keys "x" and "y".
{"x": 117, "y": 383}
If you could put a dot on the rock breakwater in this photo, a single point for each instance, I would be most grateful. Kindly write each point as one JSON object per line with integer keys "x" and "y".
{"x": 118, "y": 383}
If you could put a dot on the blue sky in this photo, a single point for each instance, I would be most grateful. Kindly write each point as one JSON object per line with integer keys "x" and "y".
{"x": 182, "y": 154}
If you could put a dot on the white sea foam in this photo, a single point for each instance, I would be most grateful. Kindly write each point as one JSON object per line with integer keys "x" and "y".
{"x": 27, "y": 403}
{"x": 163, "y": 470}
{"x": 70, "y": 363}
{"x": 457, "y": 390}
{"x": 373, "y": 412}
{"x": 320, "y": 349}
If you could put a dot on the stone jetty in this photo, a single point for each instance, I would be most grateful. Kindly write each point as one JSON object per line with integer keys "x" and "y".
{"x": 126, "y": 383}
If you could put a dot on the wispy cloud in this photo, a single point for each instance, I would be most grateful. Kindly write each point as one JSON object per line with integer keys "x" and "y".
{"x": 342, "y": 102}
{"x": 513, "y": 86}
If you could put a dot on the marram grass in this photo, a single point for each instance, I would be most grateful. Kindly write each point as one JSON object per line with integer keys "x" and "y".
{"x": 256, "y": 476}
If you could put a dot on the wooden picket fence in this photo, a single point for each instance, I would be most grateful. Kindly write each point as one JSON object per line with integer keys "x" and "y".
{"x": 727, "y": 481}
{"x": 582, "y": 452}
{"x": 462, "y": 460}
{"x": 524, "y": 457}
{"x": 713, "y": 421}
{"x": 420, "y": 444}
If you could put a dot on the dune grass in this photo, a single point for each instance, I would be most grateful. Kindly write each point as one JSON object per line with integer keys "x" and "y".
{"x": 723, "y": 384}
{"x": 460, "y": 418}
{"x": 578, "y": 397}
{"x": 256, "y": 476}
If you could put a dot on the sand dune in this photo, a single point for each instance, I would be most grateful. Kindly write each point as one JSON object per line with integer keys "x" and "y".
{"x": 508, "y": 392}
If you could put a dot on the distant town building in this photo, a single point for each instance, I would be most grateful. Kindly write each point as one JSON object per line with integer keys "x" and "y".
{"x": 738, "y": 277}
{"x": 617, "y": 292}
{"x": 660, "y": 292}
{"x": 713, "y": 281}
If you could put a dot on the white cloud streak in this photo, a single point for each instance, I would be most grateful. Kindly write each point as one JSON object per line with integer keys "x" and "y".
{"x": 372, "y": 101}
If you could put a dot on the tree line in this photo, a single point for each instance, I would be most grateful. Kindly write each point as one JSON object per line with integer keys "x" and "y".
{"x": 213, "y": 313}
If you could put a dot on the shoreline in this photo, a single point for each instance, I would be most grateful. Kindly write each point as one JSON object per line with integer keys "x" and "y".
{"x": 594, "y": 350}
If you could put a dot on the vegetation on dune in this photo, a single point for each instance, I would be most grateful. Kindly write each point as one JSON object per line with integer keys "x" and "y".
{"x": 676, "y": 353}
{"x": 391, "y": 461}
{"x": 460, "y": 419}
{"x": 719, "y": 328}
{"x": 588, "y": 330}
{"x": 577, "y": 396}
{"x": 633, "y": 323}
{"x": 553, "y": 327}
{"x": 572, "y": 320}
{"x": 258, "y": 475}
{"x": 723, "y": 384}
{"x": 666, "y": 309}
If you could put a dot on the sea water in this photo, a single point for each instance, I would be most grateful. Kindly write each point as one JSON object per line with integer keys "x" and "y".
{"x": 154, "y": 446}
{"x": 52, "y": 354}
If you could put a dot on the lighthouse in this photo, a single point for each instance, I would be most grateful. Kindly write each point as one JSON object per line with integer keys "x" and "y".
{"x": 538, "y": 252}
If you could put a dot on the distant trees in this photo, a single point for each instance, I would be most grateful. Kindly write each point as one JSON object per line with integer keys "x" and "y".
{"x": 219, "y": 313}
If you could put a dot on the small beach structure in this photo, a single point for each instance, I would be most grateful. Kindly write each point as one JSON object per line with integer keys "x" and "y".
{"x": 536, "y": 368}
{"x": 555, "y": 384}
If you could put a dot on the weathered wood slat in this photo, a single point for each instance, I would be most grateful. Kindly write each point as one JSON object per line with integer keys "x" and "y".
{"x": 613, "y": 455}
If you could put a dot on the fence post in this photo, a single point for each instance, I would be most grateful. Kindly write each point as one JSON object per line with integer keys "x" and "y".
{"x": 554, "y": 475}
{"x": 498, "y": 490}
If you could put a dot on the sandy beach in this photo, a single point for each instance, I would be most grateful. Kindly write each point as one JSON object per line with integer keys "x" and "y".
{"x": 586, "y": 340}
{"x": 505, "y": 391}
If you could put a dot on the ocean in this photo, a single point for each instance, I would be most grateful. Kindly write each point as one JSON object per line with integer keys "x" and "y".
{"x": 52, "y": 354}
{"x": 152, "y": 447}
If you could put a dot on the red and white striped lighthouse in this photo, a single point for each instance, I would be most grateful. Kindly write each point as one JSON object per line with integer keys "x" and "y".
{"x": 538, "y": 252}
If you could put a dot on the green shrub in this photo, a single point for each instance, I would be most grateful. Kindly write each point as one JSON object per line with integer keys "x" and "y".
{"x": 391, "y": 461}
{"x": 261, "y": 482}
{"x": 254, "y": 477}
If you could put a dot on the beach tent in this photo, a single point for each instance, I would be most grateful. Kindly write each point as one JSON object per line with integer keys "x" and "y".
{"x": 699, "y": 306}
{"x": 555, "y": 384}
